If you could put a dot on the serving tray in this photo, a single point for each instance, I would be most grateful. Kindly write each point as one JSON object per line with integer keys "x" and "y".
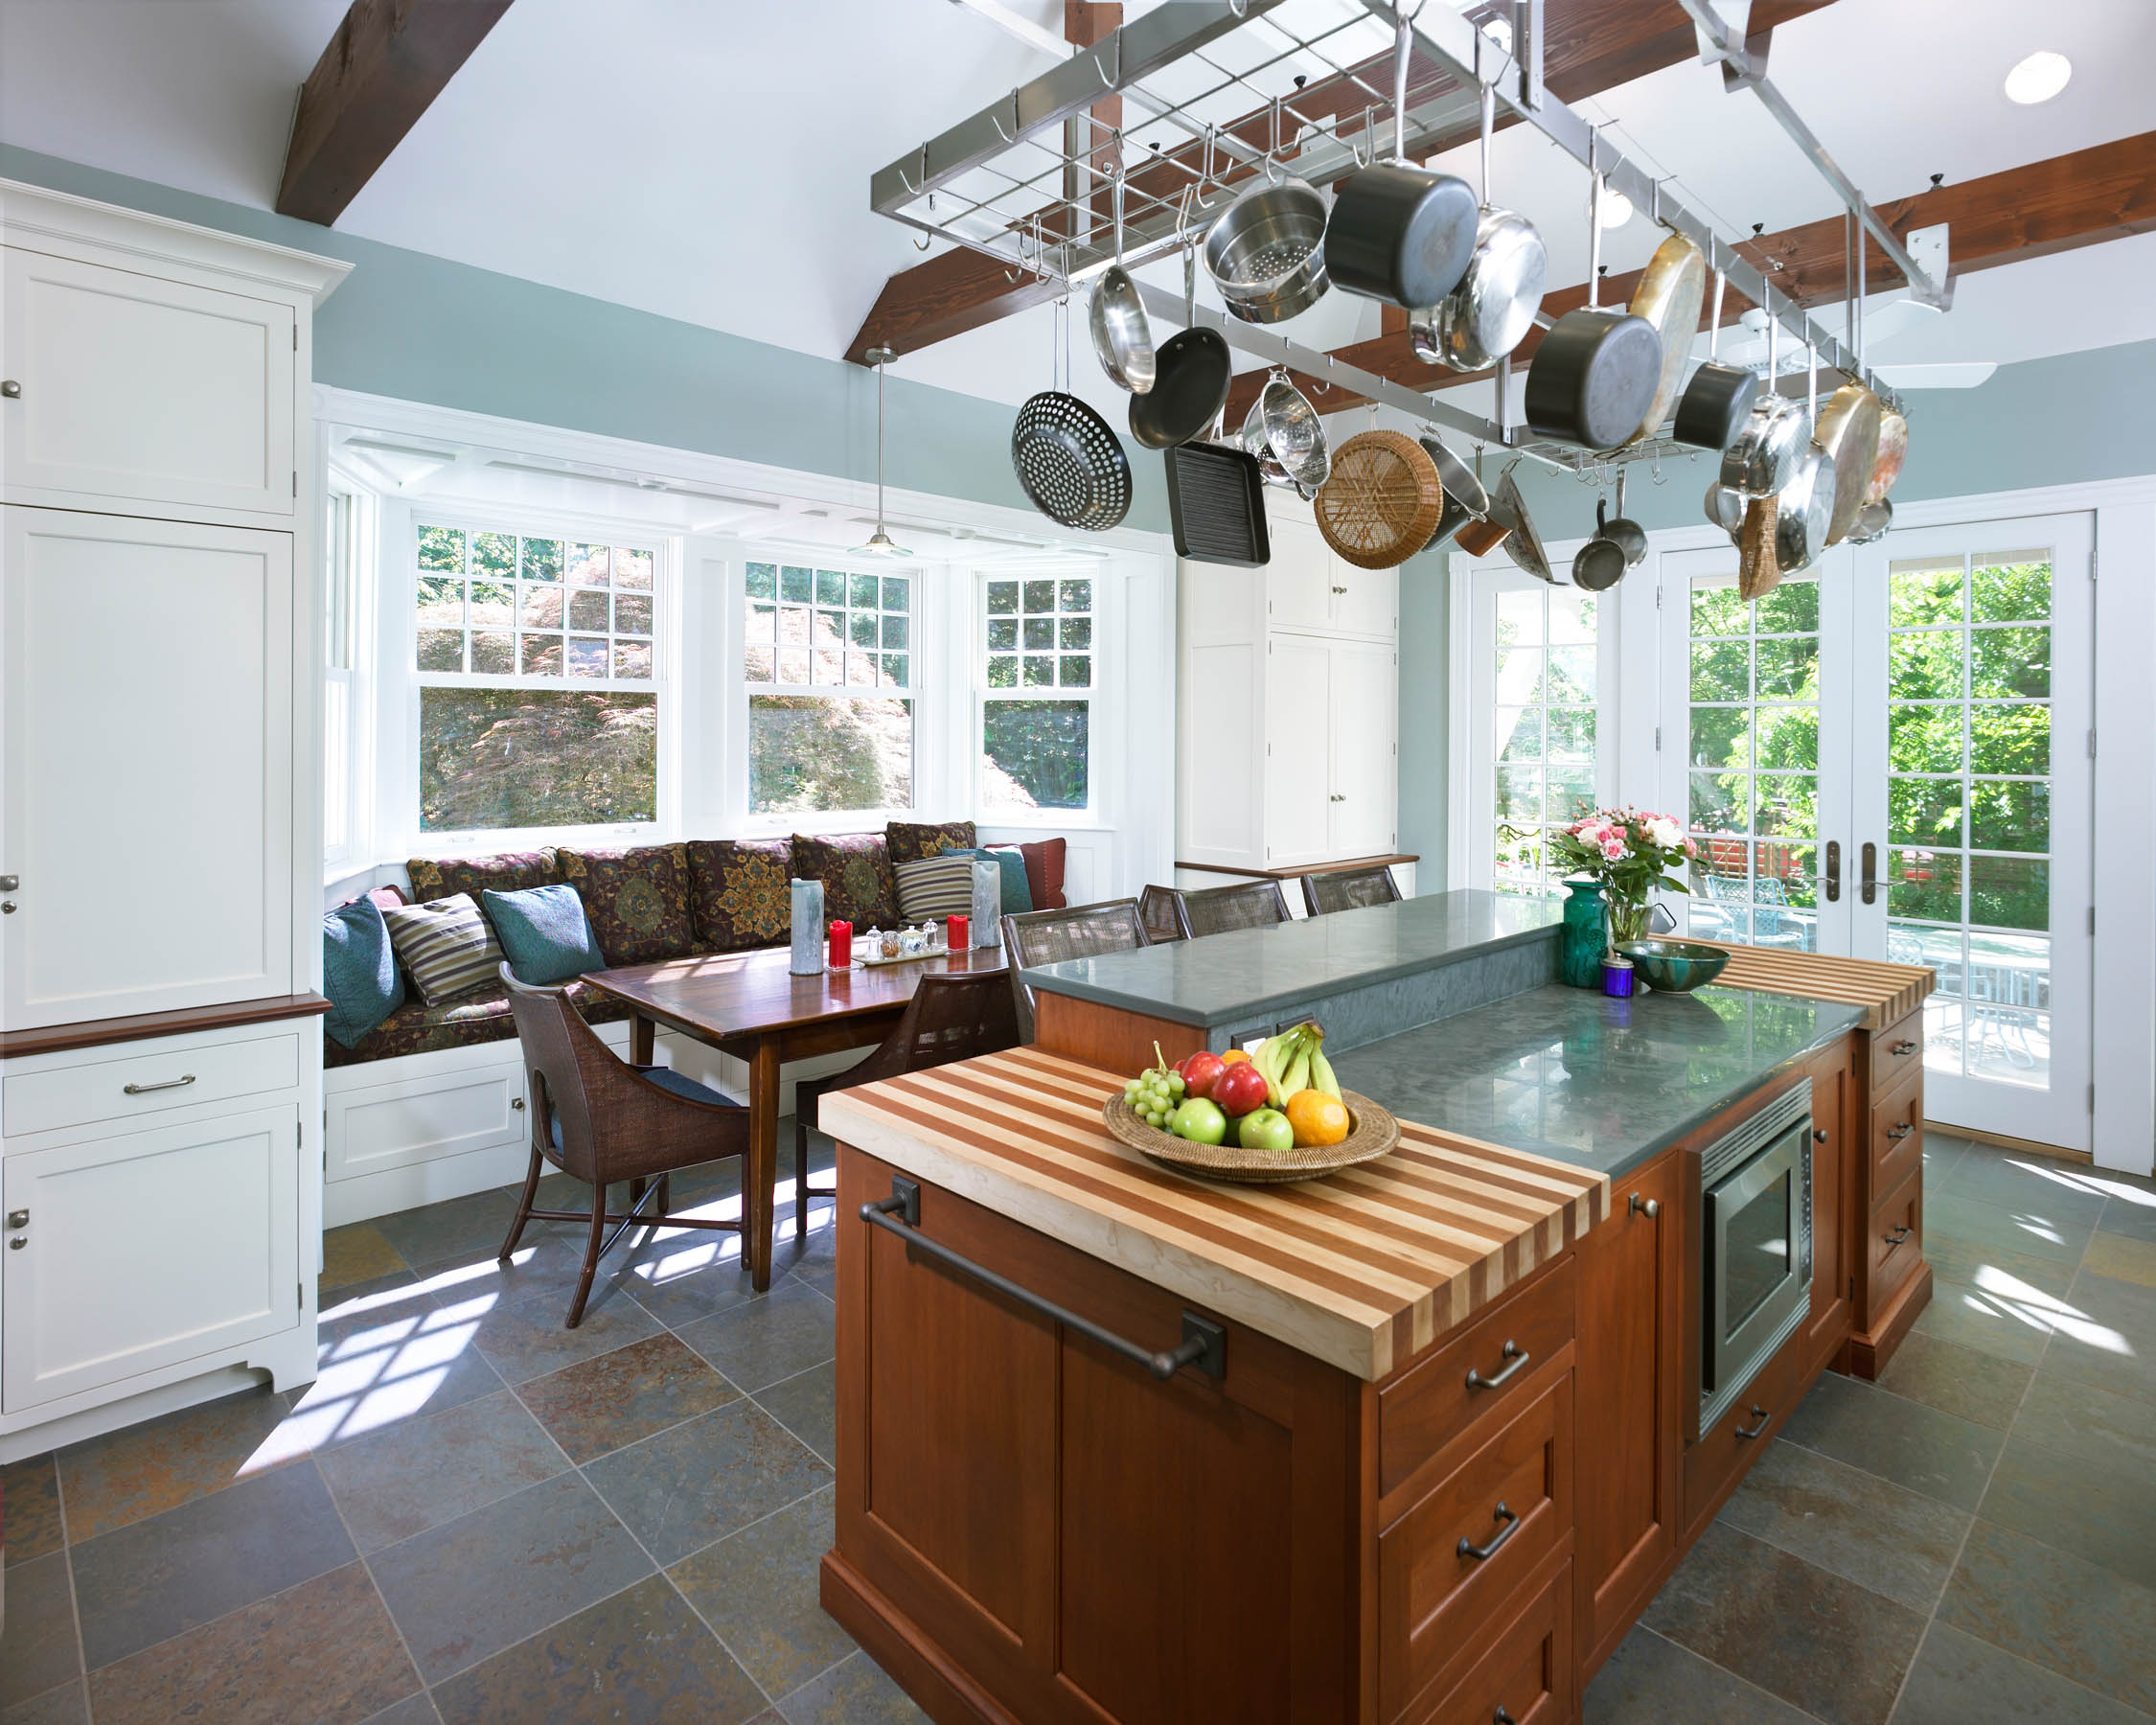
{"x": 1372, "y": 1133}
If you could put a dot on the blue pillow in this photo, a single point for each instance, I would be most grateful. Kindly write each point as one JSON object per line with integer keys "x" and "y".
{"x": 1018, "y": 896}
{"x": 544, "y": 933}
{"x": 358, "y": 970}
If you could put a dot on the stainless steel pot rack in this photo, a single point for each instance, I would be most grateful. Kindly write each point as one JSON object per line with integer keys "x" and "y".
{"x": 1026, "y": 180}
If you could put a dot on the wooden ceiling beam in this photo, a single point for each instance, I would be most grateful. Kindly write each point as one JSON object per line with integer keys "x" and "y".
{"x": 1592, "y": 46}
{"x": 2107, "y": 192}
{"x": 386, "y": 64}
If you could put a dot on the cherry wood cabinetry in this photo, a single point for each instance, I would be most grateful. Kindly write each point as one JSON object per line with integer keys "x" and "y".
{"x": 1892, "y": 1282}
{"x": 1835, "y": 1195}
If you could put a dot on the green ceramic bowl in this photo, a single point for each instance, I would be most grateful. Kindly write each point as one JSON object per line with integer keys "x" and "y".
{"x": 1674, "y": 966}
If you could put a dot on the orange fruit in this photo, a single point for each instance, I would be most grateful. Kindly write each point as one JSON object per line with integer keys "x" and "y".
{"x": 1232, "y": 1056}
{"x": 1318, "y": 1118}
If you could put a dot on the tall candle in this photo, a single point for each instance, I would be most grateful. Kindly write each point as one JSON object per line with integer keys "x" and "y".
{"x": 808, "y": 929}
{"x": 988, "y": 905}
{"x": 841, "y": 945}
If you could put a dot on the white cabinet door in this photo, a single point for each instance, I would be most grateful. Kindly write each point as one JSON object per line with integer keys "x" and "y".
{"x": 145, "y": 1251}
{"x": 148, "y": 390}
{"x": 1365, "y": 602}
{"x": 1365, "y": 779}
{"x": 1298, "y": 706}
{"x": 1298, "y": 581}
{"x": 148, "y": 756}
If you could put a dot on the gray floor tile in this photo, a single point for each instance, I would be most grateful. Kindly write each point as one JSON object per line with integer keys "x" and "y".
{"x": 2132, "y": 1214}
{"x": 130, "y": 1475}
{"x": 1820, "y": 1643}
{"x": 1957, "y": 1380}
{"x": 1960, "y": 1680}
{"x": 323, "y": 1651}
{"x": 1988, "y": 1320}
{"x": 693, "y": 1281}
{"x": 30, "y": 1490}
{"x": 421, "y": 1473}
{"x": 625, "y": 1396}
{"x": 530, "y": 1337}
{"x": 38, "y": 1646}
{"x": 2034, "y": 1232}
{"x": 190, "y": 1565}
{"x": 1867, "y": 1530}
{"x": 700, "y": 1482}
{"x": 65, "y": 1705}
{"x": 855, "y": 1692}
{"x": 359, "y": 1252}
{"x": 641, "y": 1654}
{"x": 542, "y": 1263}
{"x": 1652, "y": 1681}
{"x": 414, "y": 1710}
{"x": 434, "y": 1232}
{"x": 761, "y": 1343}
{"x": 806, "y": 1404}
{"x": 758, "y": 1589}
{"x": 2098, "y": 1509}
{"x": 2062, "y": 1192}
{"x": 2081, "y": 1620}
{"x": 1913, "y": 1445}
{"x": 2106, "y": 1336}
{"x": 2121, "y": 1257}
{"x": 465, "y": 1590}
{"x": 2080, "y": 1420}
{"x": 397, "y": 1358}
{"x": 1966, "y": 1261}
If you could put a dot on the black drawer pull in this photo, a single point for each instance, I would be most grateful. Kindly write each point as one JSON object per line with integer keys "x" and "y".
{"x": 1500, "y": 1716}
{"x": 1203, "y": 1344}
{"x": 1761, "y": 1416}
{"x": 1898, "y": 1235}
{"x": 1482, "y": 1553}
{"x": 1895, "y": 1134}
{"x": 1477, "y": 1381}
{"x": 1903, "y": 1047}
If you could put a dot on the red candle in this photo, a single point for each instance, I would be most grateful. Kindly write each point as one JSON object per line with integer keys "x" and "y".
{"x": 954, "y": 933}
{"x": 841, "y": 945}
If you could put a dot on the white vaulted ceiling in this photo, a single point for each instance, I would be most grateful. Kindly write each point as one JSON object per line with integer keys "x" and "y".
{"x": 709, "y": 159}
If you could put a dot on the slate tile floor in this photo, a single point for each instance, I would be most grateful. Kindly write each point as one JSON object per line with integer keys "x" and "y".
{"x": 475, "y": 1515}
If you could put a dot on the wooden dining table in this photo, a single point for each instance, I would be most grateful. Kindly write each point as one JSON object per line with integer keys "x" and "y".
{"x": 752, "y": 1007}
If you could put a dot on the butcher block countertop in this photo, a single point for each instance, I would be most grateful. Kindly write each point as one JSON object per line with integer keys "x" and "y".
{"x": 1364, "y": 1268}
{"x": 1887, "y": 993}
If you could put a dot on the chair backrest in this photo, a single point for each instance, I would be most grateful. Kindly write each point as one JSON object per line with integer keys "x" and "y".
{"x": 1246, "y": 905}
{"x": 1157, "y": 910}
{"x": 951, "y": 1017}
{"x": 573, "y": 1074}
{"x": 1349, "y": 889}
{"x": 1036, "y": 937}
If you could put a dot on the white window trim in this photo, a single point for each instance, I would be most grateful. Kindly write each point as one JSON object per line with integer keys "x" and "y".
{"x": 363, "y": 532}
{"x": 1103, "y": 697}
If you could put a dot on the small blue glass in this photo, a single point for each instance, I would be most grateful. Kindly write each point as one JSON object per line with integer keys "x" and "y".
{"x": 1617, "y": 978}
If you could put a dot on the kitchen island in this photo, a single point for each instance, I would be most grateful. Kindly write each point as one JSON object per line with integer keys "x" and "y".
{"x": 1416, "y": 1442}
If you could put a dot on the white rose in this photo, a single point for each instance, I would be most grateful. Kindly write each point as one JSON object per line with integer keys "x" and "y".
{"x": 1664, "y": 831}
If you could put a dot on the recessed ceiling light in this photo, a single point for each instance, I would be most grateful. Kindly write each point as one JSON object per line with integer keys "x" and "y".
{"x": 2039, "y": 78}
{"x": 1616, "y": 208}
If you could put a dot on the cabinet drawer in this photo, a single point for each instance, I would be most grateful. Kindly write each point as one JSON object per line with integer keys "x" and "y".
{"x": 1429, "y": 1406}
{"x": 1895, "y": 1244}
{"x": 1898, "y": 1050}
{"x": 146, "y": 1079}
{"x": 1713, "y": 1463}
{"x": 1527, "y": 1670}
{"x": 1898, "y": 1134}
{"x": 1446, "y": 1567}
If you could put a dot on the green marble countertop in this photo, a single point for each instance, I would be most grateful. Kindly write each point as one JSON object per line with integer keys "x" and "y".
{"x": 1602, "y": 1083}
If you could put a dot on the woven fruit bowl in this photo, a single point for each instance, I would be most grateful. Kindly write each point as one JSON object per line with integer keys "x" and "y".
{"x": 1372, "y": 1132}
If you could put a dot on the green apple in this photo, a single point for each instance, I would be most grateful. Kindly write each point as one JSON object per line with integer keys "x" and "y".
{"x": 1201, "y": 1121}
{"x": 1266, "y": 1129}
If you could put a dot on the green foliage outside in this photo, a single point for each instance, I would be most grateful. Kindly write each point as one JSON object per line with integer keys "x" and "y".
{"x": 535, "y": 758}
{"x": 821, "y": 754}
{"x": 1035, "y": 754}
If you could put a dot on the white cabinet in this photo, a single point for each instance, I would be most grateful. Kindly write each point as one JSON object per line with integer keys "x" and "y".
{"x": 149, "y": 804}
{"x": 148, "y": 1250}
{"x": 137, "y": 388}
{"x": 1309, "y": 587}
{"x": 1363, "y": 708}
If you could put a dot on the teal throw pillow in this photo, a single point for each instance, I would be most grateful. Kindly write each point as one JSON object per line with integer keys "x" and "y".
{"x": 543, "y": 933}
{"x": 1018, "y": 896}
{"x": 358, "y": 970}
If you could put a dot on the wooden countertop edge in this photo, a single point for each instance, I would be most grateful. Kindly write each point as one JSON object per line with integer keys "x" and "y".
{"x": 95, "y": 1033}
{"x": 1867, "y": 980}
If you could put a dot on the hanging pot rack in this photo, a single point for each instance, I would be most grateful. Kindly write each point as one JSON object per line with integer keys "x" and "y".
{"x": 1026, "y": 180}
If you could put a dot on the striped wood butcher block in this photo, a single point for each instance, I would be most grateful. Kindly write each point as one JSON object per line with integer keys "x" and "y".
{"x": 1363, "y": 1269}
{"x": 1886, "y": 992}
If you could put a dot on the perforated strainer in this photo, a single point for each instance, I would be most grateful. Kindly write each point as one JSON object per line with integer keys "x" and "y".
{"x": 1069, "y": 461}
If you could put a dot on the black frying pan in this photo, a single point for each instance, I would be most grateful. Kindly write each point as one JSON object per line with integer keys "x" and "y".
{"x": 1191, "y": 375}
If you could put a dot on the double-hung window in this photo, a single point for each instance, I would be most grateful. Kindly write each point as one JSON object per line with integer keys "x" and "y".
{"x": 537, "y": 662}
{"x": 827, "y": 657}
{"x": 343, "y": 708}
{"x": 1035, "y": 699}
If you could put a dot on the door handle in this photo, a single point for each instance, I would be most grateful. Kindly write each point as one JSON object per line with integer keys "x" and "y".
{"x": 1833, "y": 871}
{"x": 1870, "y": 893}
{"x": 1900, "y": 1234}
{"x": 1761, "y": 1416}
{"x": 1511, "y": 1351}
{"x": 1482, "y": 1553}
{"x": 144, "y": 1089}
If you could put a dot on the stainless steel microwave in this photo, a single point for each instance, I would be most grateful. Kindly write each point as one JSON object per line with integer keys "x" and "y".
{"x": 1756, "y": 1238}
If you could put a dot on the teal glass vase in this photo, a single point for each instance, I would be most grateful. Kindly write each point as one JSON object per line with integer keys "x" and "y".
{"x": 1584, "y": 937}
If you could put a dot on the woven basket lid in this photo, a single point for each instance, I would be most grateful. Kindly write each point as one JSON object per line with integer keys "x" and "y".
{"x": 1383, "y": 500}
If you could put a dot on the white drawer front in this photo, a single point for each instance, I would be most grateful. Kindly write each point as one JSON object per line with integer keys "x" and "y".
{"x": 119, "y": 1084}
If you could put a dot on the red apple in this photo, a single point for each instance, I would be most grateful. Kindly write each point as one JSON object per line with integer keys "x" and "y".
{"x": 1200, "y": 1073}
{"x": 1239, "y": 1088}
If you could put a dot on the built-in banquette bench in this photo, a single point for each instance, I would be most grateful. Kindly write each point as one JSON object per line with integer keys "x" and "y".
{"x": 430, "y": 1104}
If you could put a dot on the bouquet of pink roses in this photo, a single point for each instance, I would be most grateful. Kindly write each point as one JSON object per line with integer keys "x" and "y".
{"x": 1630, "y": 852}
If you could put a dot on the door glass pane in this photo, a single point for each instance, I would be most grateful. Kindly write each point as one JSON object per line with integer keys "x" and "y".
{"x": 1968, "y": 805}
{"x": 1754, "y": 751}
{"x": 1543, "y": 731}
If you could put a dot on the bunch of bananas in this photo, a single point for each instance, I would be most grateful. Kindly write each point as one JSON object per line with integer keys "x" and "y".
{"x": 1291, "y": 1061}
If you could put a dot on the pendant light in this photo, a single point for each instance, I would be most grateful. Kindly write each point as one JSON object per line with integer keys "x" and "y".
{"x": 880, "y": 543}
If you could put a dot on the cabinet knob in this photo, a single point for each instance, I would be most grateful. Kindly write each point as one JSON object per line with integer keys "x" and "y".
{"x": 18, "y": 1218}
{"x": 16, "y": 1243}
{"x": 1818, "y": 1135}
{"x": 1649, "y": 1208}
{"x": 1904, "y": 1047}
{"x": 1339, "y": 589}
{"x": 6, "y": 907}
{"x": 516, "y": 1102}
{"x": 9, "y": 388}
{"x": 1336, "y": 798}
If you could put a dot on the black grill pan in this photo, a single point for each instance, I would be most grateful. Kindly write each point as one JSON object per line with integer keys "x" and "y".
{"x": 1216, "y": 502}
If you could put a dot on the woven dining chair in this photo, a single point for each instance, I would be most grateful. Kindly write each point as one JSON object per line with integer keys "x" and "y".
{"x": 949, "y": 1018}
{"x": 1035, "y": 938}
{"x": 1216, "y": 910}
{"x": 1157, "y": 910}
{"x": 601, "y": 1119}
{"x": 1349, "y": 889}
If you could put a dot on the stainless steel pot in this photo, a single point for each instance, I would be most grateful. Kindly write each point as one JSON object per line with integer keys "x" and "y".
{"x": 1764, "y": 455}
{"x": 1465, "y": 499}
{"x": 1803, "y": 511}
{"x": 1493, "y": 308}
{"x": 1267, "y": 252}
{"x": 1284, "y": 432}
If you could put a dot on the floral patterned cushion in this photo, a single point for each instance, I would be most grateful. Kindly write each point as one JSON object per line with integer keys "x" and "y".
{"x": 856, "y": 871}
{"x": 638, "y": 900}
{"x": 738, "y": 893}
{"x": 908, "y": 840}
{"x": 465, "y": 1021}
{"x": 508, "y": 871}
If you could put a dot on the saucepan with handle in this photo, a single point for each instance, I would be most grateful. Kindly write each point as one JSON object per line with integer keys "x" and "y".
{"x": 1717, "y": 402}
{"x": 1490, "y": 311}
{"x": 1122, "y": 338}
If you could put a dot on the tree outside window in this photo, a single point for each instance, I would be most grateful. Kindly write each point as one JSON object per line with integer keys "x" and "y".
{"x": 1037, "y": 652}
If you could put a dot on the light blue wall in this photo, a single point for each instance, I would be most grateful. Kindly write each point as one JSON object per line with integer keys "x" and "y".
{"x": 425, "y": 329}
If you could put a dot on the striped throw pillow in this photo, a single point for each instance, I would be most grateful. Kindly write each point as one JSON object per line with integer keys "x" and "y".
{"x": 445, "y": 944}
{"x": 935, "y": 887}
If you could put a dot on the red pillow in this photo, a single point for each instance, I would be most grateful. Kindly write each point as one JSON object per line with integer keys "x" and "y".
{"x": 388, "y": 898}
{"x": 1043, "y": 873}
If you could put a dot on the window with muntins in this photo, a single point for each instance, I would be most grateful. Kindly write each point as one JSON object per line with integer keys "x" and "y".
{"x": 1037, "y": 657}
{"x": 1542, "y": 668}
{"x": 538, "y": 664}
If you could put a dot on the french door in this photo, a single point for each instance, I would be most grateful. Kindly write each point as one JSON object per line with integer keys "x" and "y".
{"x": 1890, "y": 758}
